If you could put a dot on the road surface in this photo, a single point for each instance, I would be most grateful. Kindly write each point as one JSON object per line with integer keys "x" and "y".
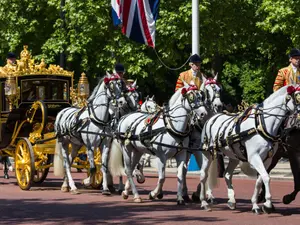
{"x": 46, "y": 204}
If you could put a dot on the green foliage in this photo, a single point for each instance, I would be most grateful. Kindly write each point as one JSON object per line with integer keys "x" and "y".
{"x": 245, "y": 41}
{"x": 243, "y": 81}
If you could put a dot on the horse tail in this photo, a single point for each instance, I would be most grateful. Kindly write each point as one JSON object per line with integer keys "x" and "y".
{"x": 58, "y": 166}
{"x": 212, "y": 181}
{"x": 115, "y": 160}
{"x": 247, "y": 169}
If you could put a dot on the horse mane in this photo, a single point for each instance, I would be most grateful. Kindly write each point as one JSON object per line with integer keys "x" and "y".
{"x": 282, "y": 91}
{"x": 175, "y": 96}
{"x": 100, "y": 82}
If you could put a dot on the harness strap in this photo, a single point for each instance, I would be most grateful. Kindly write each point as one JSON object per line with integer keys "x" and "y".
{"x": 93, "y": 116}
{"x": 261, "y": 127}
{"x": 170, "y": 127}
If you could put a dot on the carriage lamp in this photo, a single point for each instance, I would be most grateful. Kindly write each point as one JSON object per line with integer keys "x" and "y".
{"x": 11, "y": 91}
{"x": 81, "y": 93}
{"x": 83, "y": 86}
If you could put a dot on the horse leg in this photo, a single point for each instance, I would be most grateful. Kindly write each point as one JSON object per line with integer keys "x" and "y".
{"x": 278, "y": 155}
{"x": 138, "y": 171}
{"x": 228, "y": 178}
{"x": 121, "y": 185}
{"x": 90, "y": 156}
{"x": 128, "y": 170}
{"x": 68, "y": 175}
{"x": 161, "y": 166}
{"x": 181, "y": 176}
{"x": 294, "y": 159}
{"x": 257, "y": 163}
{"x": 209, "y": 194}
{"x": 126, "y": 191}
{"x": 185, "y": 194}
{"x": 206, "y": 161}
{"x": 107, "y": 179}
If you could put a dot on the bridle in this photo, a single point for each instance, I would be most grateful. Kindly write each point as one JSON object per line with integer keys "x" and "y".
{"x": 217, "y": 92}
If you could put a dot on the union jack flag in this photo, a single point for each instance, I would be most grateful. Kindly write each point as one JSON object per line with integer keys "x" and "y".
{"x": 138, "y": 19}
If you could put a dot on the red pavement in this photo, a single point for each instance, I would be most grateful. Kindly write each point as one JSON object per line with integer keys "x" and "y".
{"x": 47, "y": 205}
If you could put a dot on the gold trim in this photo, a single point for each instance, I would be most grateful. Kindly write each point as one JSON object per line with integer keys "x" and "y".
{"x": 26, "y": 66}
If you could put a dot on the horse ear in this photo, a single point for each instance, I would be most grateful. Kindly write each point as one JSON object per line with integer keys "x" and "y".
{"x": 153, "y": 97}
{"x": 216, "y": 77}
{"x": 134, "y": 84}
{"x": 108, "y": 74}
{"x": 147, "y": 98}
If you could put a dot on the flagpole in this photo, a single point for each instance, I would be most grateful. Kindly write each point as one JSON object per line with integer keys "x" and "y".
{"x": 195, "y": 27}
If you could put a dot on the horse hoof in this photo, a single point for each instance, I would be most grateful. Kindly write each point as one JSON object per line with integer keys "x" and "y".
{"x": 75, "y": 192}
{"x": 106, "y": 192}
{"x": 111, "y": 189}
{"x": 186, "y": 198}
{"x": 268, "y": 210}
{"x": 138, "y": 200}
{"x": 124, "y": 195}
{"x": 6, "y": 176}
{"x": 160, "y": 196}
{"x": 231, "y": 205}
{"x": 207, "y": 208}
{"x": 180, "y": 202}
{"x": 195, "y": 197}
{"x": 211, "y": 201}
{"x": 65, "y": 189}
{"x": 287, "y": 199}
{"x": 140, "y": 179}
{"x": 257, "y": 211}
{"x": 151, "y": 197}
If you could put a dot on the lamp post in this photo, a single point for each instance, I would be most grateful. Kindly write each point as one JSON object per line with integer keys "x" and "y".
{"x": 63, "y": 26}
{"x": 195, "y": 27}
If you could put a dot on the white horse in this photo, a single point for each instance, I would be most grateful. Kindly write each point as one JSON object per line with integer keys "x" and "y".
{"x": 132, "y": 98}
{"x": 87, "y": 126}
{"x": 212, "y": 90}
{"x": 165, "y": 137}
{"x": 251, "y": 136}
{"x": 148, "y": 106}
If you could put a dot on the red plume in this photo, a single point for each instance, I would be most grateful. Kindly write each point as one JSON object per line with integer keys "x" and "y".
{"x": 183, "y": 91}
{"x": 291, "y": 90}
{"x": 106, "y": 80}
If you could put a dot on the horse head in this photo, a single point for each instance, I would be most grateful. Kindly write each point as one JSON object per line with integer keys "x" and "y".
{"x": 149, "y": 105}
{"x": 132, "y": 96}
{"x": 212, "y": 89}
{"x": 114, "y": 86}
{"x": 293, "y": 99}
{"x": 193, "y": 100}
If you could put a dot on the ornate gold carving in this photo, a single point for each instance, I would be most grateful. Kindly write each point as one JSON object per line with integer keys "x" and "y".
{"x": 26, "y": 66}
{"x": 38, "y": 127}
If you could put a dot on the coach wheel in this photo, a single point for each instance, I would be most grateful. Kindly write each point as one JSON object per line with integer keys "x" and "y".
{"x": 24, "y": 163}
{"x": 41, "y": 172}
